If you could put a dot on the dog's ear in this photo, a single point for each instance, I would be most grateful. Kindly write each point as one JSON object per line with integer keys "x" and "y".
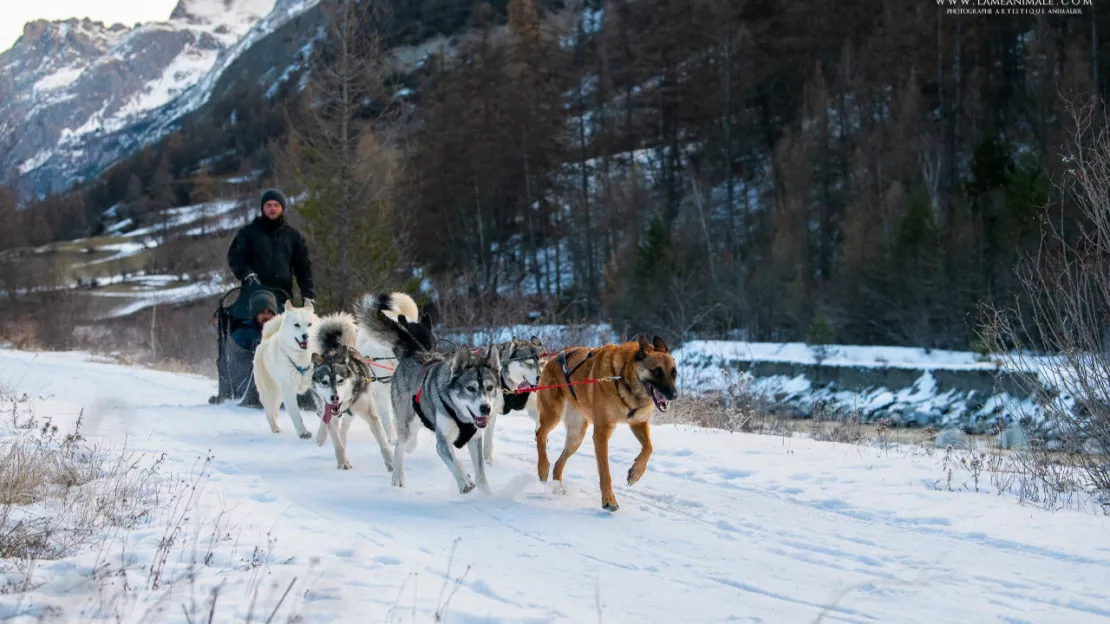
{"x": 644, "y": 346}
{"x": 461, "y": 359}
{"x": 401, "y": 320}
{"x": 537, "y": 342}
{"x": 493, "y": 358}
{"x": 659, "y": 345}
{"x": 426, "y": 324}
{"x": 317, "y": 359}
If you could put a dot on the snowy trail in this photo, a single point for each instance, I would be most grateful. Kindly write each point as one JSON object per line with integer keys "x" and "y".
{"x": 723, "y": 527}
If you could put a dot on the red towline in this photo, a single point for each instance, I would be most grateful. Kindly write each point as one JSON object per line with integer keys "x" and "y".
{"x": 371, "y": 362}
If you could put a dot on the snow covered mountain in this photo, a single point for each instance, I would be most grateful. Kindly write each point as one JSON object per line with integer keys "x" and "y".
{"x": 77, "y": 95}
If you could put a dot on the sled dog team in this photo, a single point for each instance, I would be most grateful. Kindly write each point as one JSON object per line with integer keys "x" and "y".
{"x": 341, "y": 360}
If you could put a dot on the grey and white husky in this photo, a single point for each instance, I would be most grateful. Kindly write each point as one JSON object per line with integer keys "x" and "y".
{"x": 453, "y": 396}
{"x": 521, "y": 362}
{"x": 341, "y": 384}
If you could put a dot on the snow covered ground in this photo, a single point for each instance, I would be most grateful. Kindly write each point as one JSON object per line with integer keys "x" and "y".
{"x": 723, "y": 527}
{"x": 150, "y": 291}
{"x": 906, "y": 385}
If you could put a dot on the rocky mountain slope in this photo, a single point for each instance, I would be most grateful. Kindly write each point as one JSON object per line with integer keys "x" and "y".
{"x": 77, "y": 95}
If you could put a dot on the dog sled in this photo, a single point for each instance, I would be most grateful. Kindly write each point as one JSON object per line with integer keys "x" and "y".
{"x": 234, "y": 364}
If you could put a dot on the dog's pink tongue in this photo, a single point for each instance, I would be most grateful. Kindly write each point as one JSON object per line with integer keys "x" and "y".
{"x": 329, "y": 411}
{"x": 524, "y": 385}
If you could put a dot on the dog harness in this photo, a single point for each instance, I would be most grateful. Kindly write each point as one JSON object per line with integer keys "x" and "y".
{"x": 513, "y": 401}
{"x": 631, "y": 410}
{"x": 466, "y": 430}
{"x": 567, "y": 372}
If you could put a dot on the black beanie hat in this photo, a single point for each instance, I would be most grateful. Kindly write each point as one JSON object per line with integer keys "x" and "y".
{"x": 263, "y": 300}
{"x": 275, "y": 195}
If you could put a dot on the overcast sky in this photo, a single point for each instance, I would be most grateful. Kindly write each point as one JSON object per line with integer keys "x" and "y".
{"x": 15, "y": 13}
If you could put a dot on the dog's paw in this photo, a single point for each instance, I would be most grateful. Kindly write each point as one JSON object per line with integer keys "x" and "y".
{"x": 345, "y": 466}
{"x": 305, "y": 435}
{"x": 468, "y": 488}
{"x": 610, "y": 506}
{"x": 275, "y": 428}
{"x": 398, "y": 480}
{"x": 558, "y": 488}
{"x": 634, "y": 474}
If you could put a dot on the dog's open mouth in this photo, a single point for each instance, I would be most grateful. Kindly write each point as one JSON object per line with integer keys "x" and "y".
{"x": 661, "y": 402}
{"x": 480, "y": 421}
{"x": 331, "y": 410}
{"x": 303, "y": 344}
{"x": 525, "y": 385}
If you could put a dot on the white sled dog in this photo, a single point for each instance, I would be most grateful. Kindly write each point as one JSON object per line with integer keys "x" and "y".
{"x": 373, "y": 348}
{"x": 341, "y": 385}
{"x": 283, "y": 364}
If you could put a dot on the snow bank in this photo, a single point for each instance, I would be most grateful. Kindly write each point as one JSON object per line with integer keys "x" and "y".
{"x": 907, "y": 386}
{"x": 840, "y": 355}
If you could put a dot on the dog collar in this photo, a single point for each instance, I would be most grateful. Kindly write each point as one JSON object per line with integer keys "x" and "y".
{"x": 631, "y": 409}
{"x": 300, "y": 369}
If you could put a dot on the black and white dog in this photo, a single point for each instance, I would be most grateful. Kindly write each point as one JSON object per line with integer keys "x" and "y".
{"x": 521, "y": 362}
{"x": 341, "y": 384}
{"x": 453, "y": 396}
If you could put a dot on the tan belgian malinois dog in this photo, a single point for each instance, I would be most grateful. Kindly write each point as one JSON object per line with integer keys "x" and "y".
{"x": 633, "y": 379}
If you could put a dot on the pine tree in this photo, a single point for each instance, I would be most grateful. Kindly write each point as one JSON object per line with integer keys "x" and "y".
{"x": 345, "y": 170}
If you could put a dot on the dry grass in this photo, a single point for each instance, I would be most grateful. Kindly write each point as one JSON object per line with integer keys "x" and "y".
{"x": 1033, "y": 473}
{"x": 58, "y": 493}
{"x": 737, "y": 409}
{"x": 830, "y": 424}
{"x": 20, "y": 335}
{"x": 1060, "y": 310}
{"x": 61, "y": 496}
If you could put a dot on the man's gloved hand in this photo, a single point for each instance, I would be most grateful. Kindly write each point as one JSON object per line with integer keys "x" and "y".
{"x": 251, "y": 279}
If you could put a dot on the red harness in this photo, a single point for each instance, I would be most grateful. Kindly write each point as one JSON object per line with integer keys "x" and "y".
{"x": 425, "y": 370}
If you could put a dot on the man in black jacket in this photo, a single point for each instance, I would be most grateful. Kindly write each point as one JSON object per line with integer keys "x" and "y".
{"x": 270, "y": 252}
